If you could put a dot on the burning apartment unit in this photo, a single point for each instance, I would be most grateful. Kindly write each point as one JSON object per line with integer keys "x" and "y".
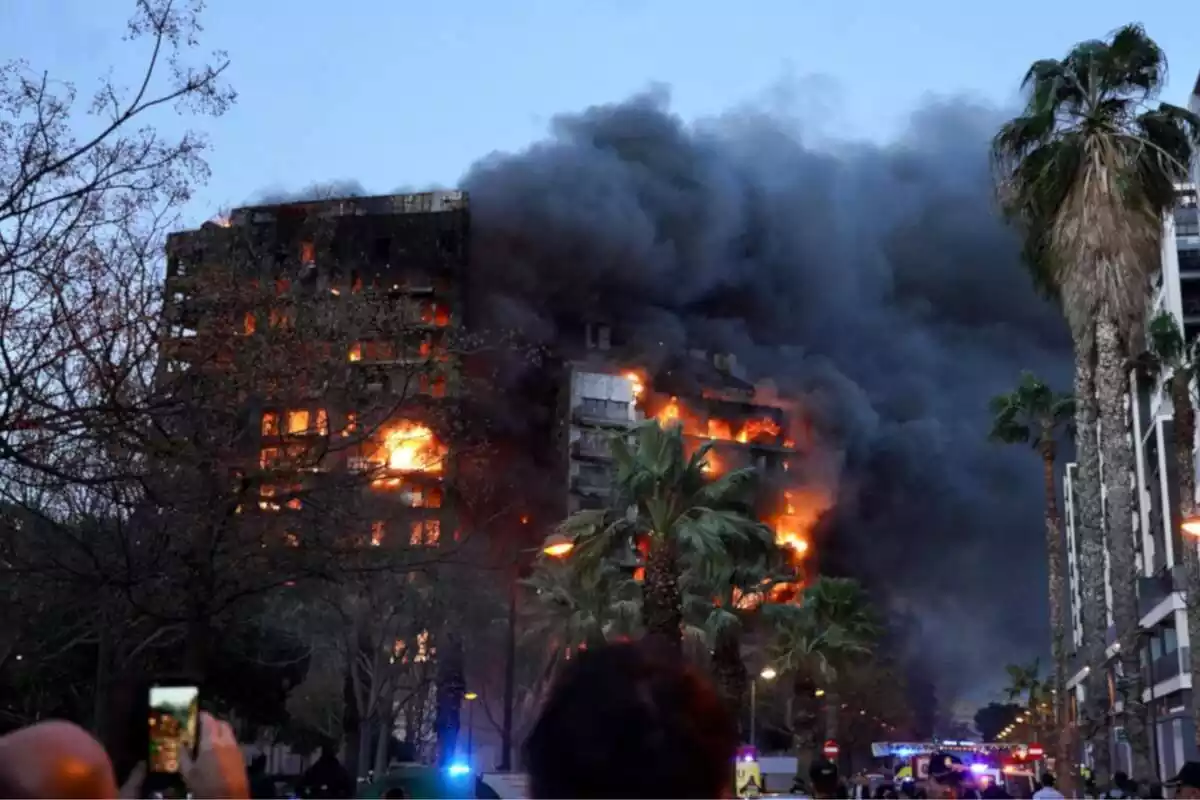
{"x": 604, "y": 392}
{"x": 331, "y": 330}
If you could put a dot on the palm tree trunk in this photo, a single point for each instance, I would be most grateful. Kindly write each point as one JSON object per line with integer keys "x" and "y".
{"x": 1090, "y": 541}
{"x": 729, "y": 672}
{"x": 1112, "y": 383}
{"x": 662, "y": 608}
{"x": 803, "y": 718}
{"x": 1056, "y": 558}
{"x": 833, "y": 712}
{"x": 1185, "y": 438}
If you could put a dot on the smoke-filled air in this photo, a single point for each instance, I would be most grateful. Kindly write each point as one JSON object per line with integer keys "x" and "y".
{"x": 875, "y": 282}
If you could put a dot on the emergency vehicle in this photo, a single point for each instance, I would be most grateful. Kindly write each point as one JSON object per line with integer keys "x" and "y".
{"x": 748, "y": 779}
{"x": 1004, "y": 763}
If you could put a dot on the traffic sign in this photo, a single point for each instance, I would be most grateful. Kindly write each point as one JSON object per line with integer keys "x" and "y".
{"x": 830, "y": 749}
{"x": 1036, "y": 751}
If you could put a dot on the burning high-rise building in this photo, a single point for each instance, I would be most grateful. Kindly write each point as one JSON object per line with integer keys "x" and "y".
{"x": 605, "y": 389}
{"x": 326, "y": 334}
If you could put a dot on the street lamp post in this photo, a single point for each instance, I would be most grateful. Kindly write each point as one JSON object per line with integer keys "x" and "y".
{"x": 469, "y": 697}
{"x": 556, "y": 545}
{"x": 767, "y": 674}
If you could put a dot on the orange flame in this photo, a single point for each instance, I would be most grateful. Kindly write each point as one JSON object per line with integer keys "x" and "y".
{"x": 637, "y": 384}
{"x": 802, "y": 509}
{"x": 758, "y": 428}
{"x": 719, "y": 429}
{"x": 712, "y": 464}
{"x": 411, "y": 447}
{"x": 669, "y": 415}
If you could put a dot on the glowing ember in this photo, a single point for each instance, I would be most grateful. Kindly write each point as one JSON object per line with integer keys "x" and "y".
{"x": 411, "y": 447}
{"x": 712, "y": 464}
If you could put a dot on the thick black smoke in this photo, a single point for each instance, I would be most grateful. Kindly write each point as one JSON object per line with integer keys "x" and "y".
{"x": 876, "y": 282}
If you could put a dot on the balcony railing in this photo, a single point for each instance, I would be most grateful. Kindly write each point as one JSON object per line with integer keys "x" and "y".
{"x": 1158, "y": 587}
{"x": 592, "y": 447}
{"x": 585, "y": 483}
{"x": 1168, "y": 665}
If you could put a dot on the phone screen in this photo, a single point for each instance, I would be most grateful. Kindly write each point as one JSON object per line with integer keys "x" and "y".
{"x": 174, "y": 720}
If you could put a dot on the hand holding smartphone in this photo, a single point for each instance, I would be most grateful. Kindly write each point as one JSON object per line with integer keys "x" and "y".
{"x": 173, "y": 726}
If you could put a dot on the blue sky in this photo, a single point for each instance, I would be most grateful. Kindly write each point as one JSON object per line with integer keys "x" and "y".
{"x": 405, "y": 93}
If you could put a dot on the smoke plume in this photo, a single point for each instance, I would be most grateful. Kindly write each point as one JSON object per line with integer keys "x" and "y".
{"x": 874, "y": 282}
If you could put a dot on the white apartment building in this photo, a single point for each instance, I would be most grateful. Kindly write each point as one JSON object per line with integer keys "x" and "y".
{"x": 1162, "y": 611}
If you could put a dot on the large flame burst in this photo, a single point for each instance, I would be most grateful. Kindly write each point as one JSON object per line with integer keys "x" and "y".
{"x": 801, "y": 510}
{"x": 412, "y": 447}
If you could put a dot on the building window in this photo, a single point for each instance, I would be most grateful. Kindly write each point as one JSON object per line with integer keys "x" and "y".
{"x": 308, "y": 253}
{"x": 322, "y": 422}
{"x": 593, "y": 475}
{"x": 266, "y": 494}
{"x": 356, "y": 352}
{"x": 297, "y": 421}
{"x": 270, "y": 423}
{"x": 377, "y": 531}
{"x": 249, "y": 323}
{"x": 599, "y": 336}
{"x": 425, "y": 533}
{"x": 351, "y": 423}
{"x": 606, "y": 409}
{"x": 268, "y": 457}
{"x": 419, "y": 497}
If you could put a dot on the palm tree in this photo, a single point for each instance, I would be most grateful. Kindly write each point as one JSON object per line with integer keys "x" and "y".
{"x": 1025, "y": 686}
{"x": 1170, "y": 351}
{"x": 832, "y": 625}
{"x": 1033, "y": 413}
{"x": 1087, "y": 171}
{"x": 666, "y": 501}
{"x": 723, "y": 597}
{"x": 574, "y": 605}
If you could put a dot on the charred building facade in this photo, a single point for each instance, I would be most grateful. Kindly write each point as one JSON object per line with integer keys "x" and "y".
{"x": 330, "y": 331}
{"x": 364, "y": 301}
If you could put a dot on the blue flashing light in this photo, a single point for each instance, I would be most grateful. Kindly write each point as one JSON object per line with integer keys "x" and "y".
{"x": 458, "y": 769}
{"x": 904, "y": 752}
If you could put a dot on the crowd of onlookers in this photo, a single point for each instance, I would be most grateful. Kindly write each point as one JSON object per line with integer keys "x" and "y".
{"x": 627, "y": 720}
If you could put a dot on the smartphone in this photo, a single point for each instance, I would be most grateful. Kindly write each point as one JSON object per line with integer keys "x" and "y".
{"x": 173, "y": 725}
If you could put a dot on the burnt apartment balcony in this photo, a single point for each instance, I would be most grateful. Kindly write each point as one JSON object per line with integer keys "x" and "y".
{"x": 592, "y": 446}
{"x": 605, "y": 413}
{"x": 593, "y": 481}
{"x": 1168, "y": 665}
{"x": 1158, "y": 587}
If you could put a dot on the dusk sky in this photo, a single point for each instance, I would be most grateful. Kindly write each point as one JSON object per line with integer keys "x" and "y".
{"x": 409, "y": 94}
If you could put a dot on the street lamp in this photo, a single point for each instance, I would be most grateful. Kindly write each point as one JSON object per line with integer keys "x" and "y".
{"x": 767, "y": 674}
{"x": 556, "y": 545}
{"x": 1191, "y": 525}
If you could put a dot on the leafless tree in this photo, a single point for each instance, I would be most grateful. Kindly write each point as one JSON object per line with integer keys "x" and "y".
{"x": 88, "y": 190}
